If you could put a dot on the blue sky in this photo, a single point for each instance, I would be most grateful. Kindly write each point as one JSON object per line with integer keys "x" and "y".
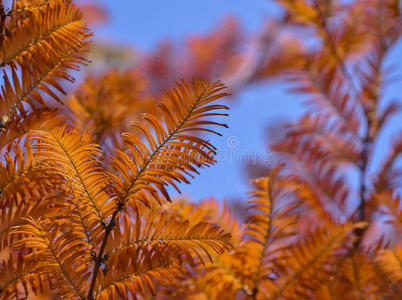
{"x": 143, "y": 24}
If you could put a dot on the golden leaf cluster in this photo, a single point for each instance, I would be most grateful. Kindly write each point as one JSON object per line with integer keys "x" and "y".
{"x": 85, "y": 191}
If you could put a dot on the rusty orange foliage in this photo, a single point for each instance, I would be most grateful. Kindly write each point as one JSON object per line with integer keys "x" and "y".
{"x": 85, "y": 204}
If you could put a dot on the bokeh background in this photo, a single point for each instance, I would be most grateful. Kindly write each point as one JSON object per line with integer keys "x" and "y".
{"x": 125, "y": 31}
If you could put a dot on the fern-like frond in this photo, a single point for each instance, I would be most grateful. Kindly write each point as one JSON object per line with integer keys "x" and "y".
{"x": 55, "y": 25}
{"x": 224, "y": 273}
{"x": 172, "y": 153}
{"x": 22, "y": 179}
{"x": 163, "y": 232}
{"x": 269, "y": 234}
{"x": 324, "y": 134}
{"x": 209, "y": 210}
{"x": 57, "y": 252}
{"x": 44, "y": 205}
{"x": 140, "y": 277}
{"x": 46, "y": 39}
{"x": 310, "y": 262}
{"x": 157, "y": 244}
{"x": 20, "y": 11}
{"x": 311, "y": 197}
{"x": 37, "y": 80}
{"x": 72, "y": 155}
{"x": 164, "y": 156}
{"x": 328, "y": 91}
{"x": 18, "y": 277}
{"x": 270, "y": 227}
{"x": 319, "y": 173}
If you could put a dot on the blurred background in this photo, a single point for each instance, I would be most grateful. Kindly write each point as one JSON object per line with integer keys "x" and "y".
{"x": 127, "y": 32}
{"x": 243, "y": 43}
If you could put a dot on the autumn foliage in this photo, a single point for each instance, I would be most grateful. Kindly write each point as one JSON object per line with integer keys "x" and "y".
{"x": 86, "y": 171}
